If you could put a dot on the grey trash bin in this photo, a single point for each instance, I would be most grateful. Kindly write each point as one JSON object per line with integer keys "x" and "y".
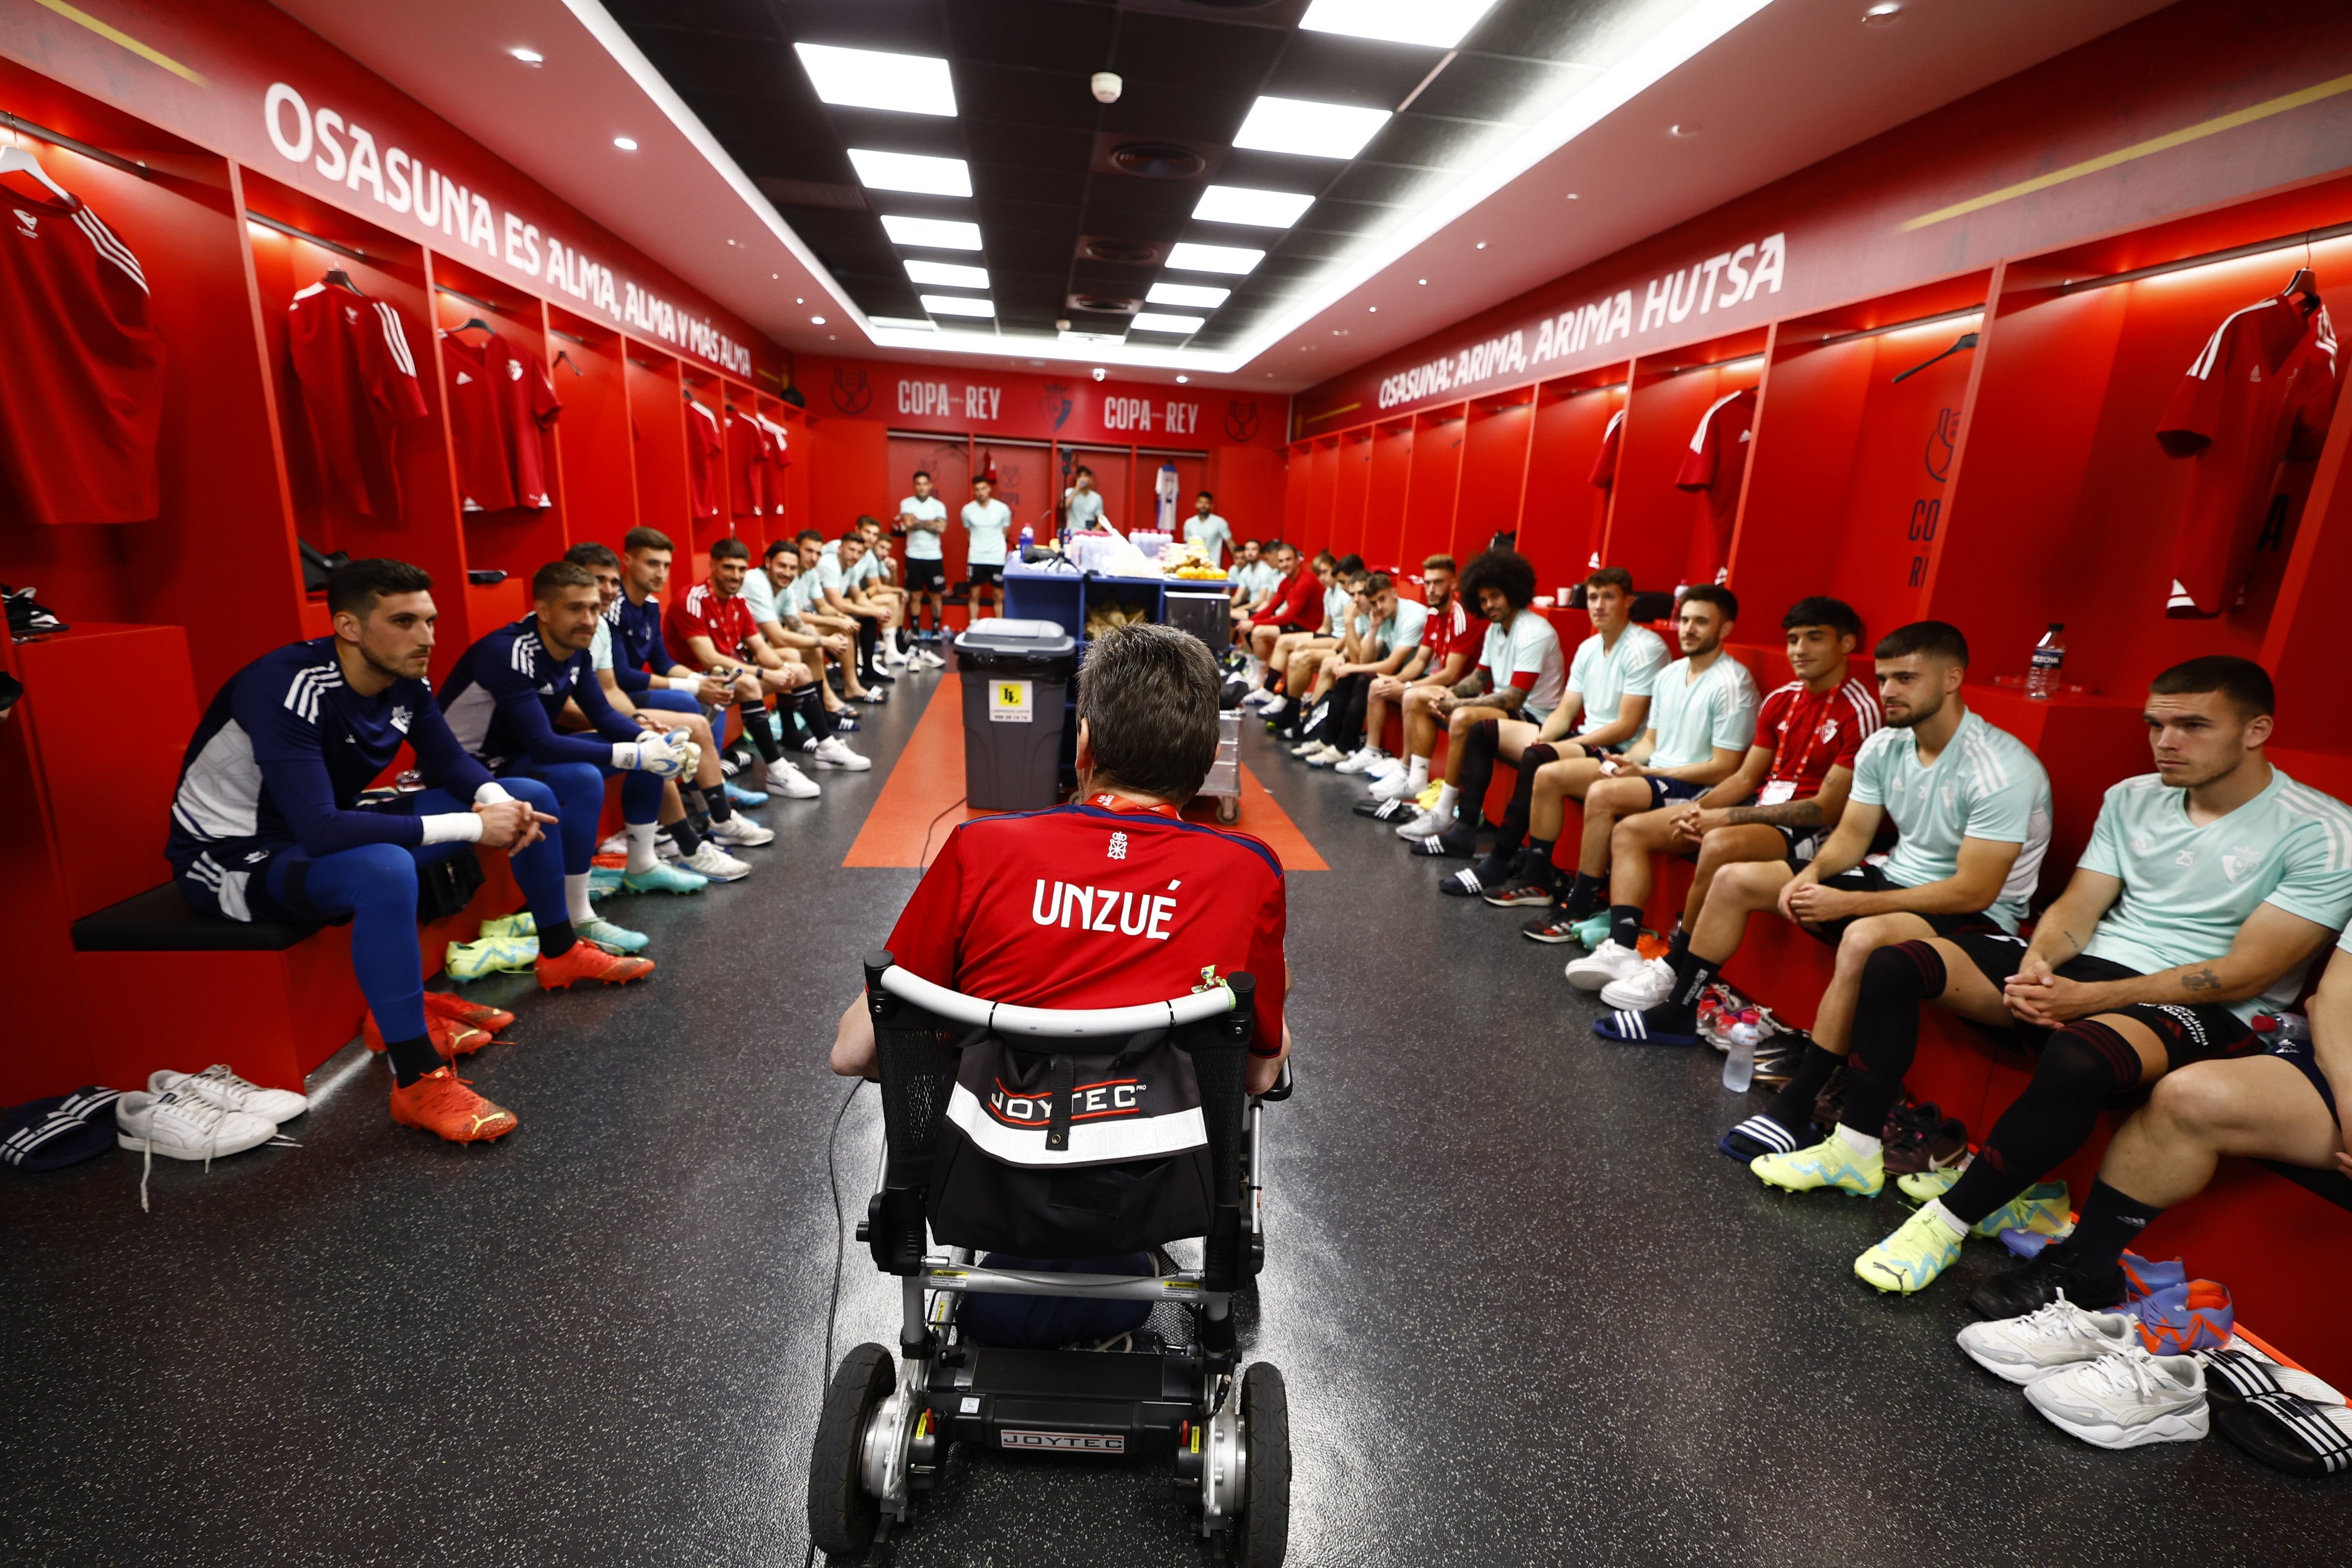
{"x": 1016, "y": 677}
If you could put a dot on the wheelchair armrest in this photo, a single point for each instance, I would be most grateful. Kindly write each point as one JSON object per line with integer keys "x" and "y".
{"x": 1281, "y": 1089}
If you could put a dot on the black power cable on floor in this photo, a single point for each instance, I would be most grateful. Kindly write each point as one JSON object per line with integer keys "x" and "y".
{"x": 840, "y": 1240}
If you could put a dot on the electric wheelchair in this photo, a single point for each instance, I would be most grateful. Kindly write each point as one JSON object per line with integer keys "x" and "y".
{"x": 883, "y": 1433}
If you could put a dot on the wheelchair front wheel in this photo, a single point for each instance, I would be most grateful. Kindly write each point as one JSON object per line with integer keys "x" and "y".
{"x": 842, "y": 1514}
{"x": 1265, "y": 1517}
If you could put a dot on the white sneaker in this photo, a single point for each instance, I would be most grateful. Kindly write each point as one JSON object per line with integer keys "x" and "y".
{"x": 1425, "y": 825}
{"x": 219, "y": 1086}
{"x": 830, "y": 753}
{"x": 929, "y": 658}
{"x": 1326, "y": 757}
{"x": 1356, "y": 762}
{"x": 1275, "y": 708}
{"x": 616, "y": 845}
{"x": 1393, "y": 785}
{"x": 1256, "y": 696}
{"x": 1602, "y": 965}
{"x": 711, "y": 861}
{"x": 1650, "y": 982}
{"x": 179, "y": 1125}
{"x": 2059, "y": 1335}
{"x": 1303, "y": 747}
{"x": 894, "y": 660}
{"x": 788, "y": 781}
{"x": 2123, "y": 1400}
{"x": 1384, "y": 766}
{"x": 741, "y": 831}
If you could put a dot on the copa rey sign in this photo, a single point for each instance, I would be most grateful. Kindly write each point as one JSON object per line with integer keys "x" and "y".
{"x": 344, "y": 151}
{"x": 1729, "y": 279}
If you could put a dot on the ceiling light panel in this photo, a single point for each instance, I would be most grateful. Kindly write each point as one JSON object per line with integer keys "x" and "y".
{"x": 911, "y": 171}
{"x": 931, "y": 233}
{"x": 1258, "y": 209}
{"x": 1154, "y": 322}
{"x": 1189, "y": 258}
{"x": 869, "y": 78}
{"x": 905, "y": 323}
{"x": 1438, "y": 27}
{"x": 1309, "y": 130}
{"x": 1200, "y": 296}
{"x": 958, "y": 305}
{"x": 947, "y": 275}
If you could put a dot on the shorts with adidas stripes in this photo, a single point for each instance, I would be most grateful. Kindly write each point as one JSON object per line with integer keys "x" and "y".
{"x": 2189, "y": 1033}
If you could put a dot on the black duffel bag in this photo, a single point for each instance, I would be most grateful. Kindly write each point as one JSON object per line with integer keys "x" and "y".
{"x": 1053, "y": 1154}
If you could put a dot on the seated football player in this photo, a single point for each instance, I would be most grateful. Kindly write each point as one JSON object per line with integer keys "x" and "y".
{"x": 771, "y": 589}
{"x": 1751, "y": 832}
{"x": 711, "y": 625}
{"x": 2285, "y": 1104}
{"x": 1972, "y": 806}
{"x": 268, "y": 823}
{"x": 2207, "y": 889}
{"x": 1383, "y": 634}
{"x": 816, "y": 612}
{"x": 1608, "y": 689}
{"x": 841, "y": 585}
{"x": 1497, "y": 710}
{"x": 1296, "y": 654}
{"x": 1702, "y": 723}
{"x": 660, "y": 712}
{"x": 877, "y": 570}
{"x": 1254, "y": 581}
{"x": 504, "y": 698}
{"x": 1442, "y": 658}
{"x": 1295, "y": 606}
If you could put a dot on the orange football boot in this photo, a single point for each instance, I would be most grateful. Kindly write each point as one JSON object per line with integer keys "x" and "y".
{"x": 587, "y": 960}
{"x": 449, "y": 1038}
{"x": 473, "y": 1014}
{"x": 441, "y": 1102}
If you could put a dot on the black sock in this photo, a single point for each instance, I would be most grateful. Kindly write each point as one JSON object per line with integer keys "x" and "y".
{"x": 755, "y": 726}
{"x": 715, "y": 802}
{"x": 2082, "y": 1067}
{"x": 1677, "y": 945}
{"x": 410, "y": 1059}
{"x": 1478, "y": 752}
{"x": 809, "y": 708}
{"x": 1625, "y": 925}
{"x": 683, "y": 835}
{"x": 2107, "y": 1225}
{"x": 1539, "y": 870}
{"x": 1792, "y": 1108}
{"x": 1496, "y": 868}
{"x": 1583, "y": 894}
{"x": 1523, "y": 793}
{"x": 555, "y": 941}
{"x": 1692, "y": 977}
{"x": 1897, "y": 981}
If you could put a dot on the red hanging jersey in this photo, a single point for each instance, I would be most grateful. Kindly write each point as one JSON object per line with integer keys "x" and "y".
{"x": 705, "y": 451}
{"x": 746, "y": 457}
{"x": 700, "y": 612}
{"x": 1812, "y": 731}
{"x": 530, "y": 411}
{"x": 476, "y": 426}
{"x": 1714, "y": 466}
{"x": 358, "y": 383}
{"x": 1096, "y": 906}
{"x": 2262, "y": 389}
{"x": 81, "y": 370}
{"x": 1605, "y": 466}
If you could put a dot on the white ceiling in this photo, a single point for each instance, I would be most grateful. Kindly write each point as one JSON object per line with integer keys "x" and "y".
{"x": 1790, "y": 84}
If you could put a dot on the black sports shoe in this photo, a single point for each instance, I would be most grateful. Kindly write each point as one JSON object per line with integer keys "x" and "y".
{"x": 2036, "y": 1283}
{"x": 1556, "y": 927}
{"x": 1463, "y": 884}
{"x": 1515, "y": 895}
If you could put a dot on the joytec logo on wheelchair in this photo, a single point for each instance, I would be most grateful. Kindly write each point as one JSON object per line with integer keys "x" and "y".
{"x": 1018, "y": 1134}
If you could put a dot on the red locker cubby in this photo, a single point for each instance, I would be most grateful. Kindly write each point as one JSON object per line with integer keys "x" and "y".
{"x": 1652, "y": 523}
{"x": 1496, "y": 443}
{"x": 1384, "y": 502}
{"x": 517, "y": 540}
{"x": 657, "y": 427}
{"x": 594, "y": 452}
{"x": 1432, "y": 481}
{"x": 1353, "y": 480}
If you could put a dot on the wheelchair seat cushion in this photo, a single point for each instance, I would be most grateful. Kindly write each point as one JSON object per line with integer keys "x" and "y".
{"x": 1048, "y": 1153}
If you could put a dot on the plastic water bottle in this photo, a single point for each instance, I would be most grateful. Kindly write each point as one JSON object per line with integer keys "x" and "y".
{"x": 2281, "y": 1028}
{"x": 1028, "y": 538}
{"x": 2042, "y": 676}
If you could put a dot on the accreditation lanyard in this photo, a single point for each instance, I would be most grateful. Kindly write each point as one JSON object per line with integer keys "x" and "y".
{"x": 1110, "y": 802}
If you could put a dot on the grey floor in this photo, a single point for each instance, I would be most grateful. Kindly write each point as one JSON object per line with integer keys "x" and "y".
{"x": 1525, "y": 1311}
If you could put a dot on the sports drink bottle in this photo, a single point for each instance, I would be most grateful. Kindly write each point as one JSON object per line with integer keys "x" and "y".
{"x": 2042, "y": 676}
{"x": 2281, "y": 1028}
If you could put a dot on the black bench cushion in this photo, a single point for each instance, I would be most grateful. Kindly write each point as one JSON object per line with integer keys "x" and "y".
{"x": 161, "y": 920}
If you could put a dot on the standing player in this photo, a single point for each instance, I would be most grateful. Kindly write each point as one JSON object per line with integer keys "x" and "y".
{"x": 1504, "y": 701}
{"x": 1972, "y": 806}
{"x": 267, "y": 825}
{"x": 1752, "y": 831}
{"x": 2207, "y": 889}
{"x": 1204, "y": 528}
{"x": 504, "y": 697}
{"x": 923, "y": 518}
{"x": 1082, "y": 504}
{"x": 1703, "y": 722}
{"x": 985, "y": 522}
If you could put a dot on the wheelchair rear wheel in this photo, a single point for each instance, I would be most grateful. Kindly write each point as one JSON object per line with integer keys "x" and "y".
{"x": 842, "y": 1514}
{"x": 1266, "y": 1517}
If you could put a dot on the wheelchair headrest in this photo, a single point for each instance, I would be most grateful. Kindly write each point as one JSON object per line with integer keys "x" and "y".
{"x": 1055, "y": 1023}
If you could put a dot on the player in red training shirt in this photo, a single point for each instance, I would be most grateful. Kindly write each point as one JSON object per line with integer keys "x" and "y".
{"x": 1113, "y": 900}
{"x": 1752, "y": 831}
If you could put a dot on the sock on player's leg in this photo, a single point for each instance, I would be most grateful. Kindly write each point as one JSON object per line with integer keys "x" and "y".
{"x": 755, "y": 725}
{"x": 715, "y": 802}
{"x": 1583, "y": 894}
{"x": 1897, "y": 981}
{"x": 682, "y": 834}
{"x": 1516, "y": 815}
{"x": 2109, "y": 1222}
{"x": 411, "y": 1058}
{"x": 2080, "y": 1067}
{"x": 575, "y": 891}
{"x": 642, "y": 859}
{"x": 1792, "y": 1108}
{"x": 1539, "y": 869}
{"x": 1416, "y": 775}
{"x": 1447, "y": 795}
{"x": 1863, "y": 1145}
{"x": 1625, "y": 925}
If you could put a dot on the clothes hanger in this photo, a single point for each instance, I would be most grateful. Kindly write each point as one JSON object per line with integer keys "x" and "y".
{"x": 1965, "y": 341}
{"x": 563, "y": 357}
{"x": 342, "y": 279}
{"x": 471, "y": 324}
{"x": 16, "y": 160}
{"x": 2304, "y": 291}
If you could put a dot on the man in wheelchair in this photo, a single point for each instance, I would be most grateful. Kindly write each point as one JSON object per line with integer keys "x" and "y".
{"x": 1065, "y": 1066}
